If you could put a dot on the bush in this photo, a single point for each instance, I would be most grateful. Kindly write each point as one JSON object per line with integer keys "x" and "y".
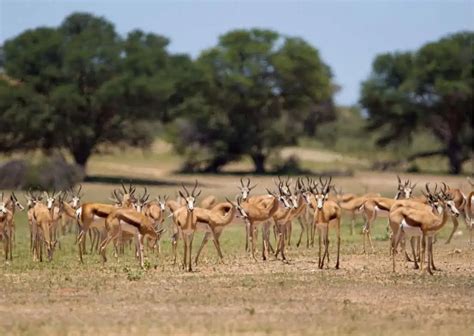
{"x": 49, "y": 173}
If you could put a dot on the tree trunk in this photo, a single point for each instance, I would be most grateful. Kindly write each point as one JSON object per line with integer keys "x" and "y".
{"x": 455, "y": 156}
{"x": 259, "y": 162}
{"x": 81, "y": 154}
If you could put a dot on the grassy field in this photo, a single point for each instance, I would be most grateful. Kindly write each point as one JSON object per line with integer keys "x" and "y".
{"x": 241, "y": 296}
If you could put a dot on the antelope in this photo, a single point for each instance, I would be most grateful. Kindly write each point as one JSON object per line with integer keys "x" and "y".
{"x": 424, "y": 224}
{"x": 352, "y": 204}
{"x": 327, "y": 214}
{"x": 75, "y": 203}
{"x": 297, "y": 210}
{"x": 44, "y": 228}
{"x": 468, "y": 212}
{"x": 131, "y": 219}
{"x": 6, "y": 217}
{"x": 253, "y": 214}
{"x": 11, "y": 205}
{"x": 460, "y": 201}
{"x": 430, "y": 203}
{"x": 186, "y": 221}
{"x": 31, "y": 200}
{"x": 92, "y": 213}
{"x": 372, "y": 205}
{"x": 215, "y": 220}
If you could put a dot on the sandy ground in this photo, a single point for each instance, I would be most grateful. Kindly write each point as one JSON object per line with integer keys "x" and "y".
{"x": 242, "y": 296}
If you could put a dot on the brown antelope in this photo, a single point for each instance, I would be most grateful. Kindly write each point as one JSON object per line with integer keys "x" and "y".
{"x": 327, "y": 214}
{"x": 96, "y": 213}
{"x": 44, "y": 229}
{"x": 6, "y": 217}
{"x": 214, "y": 220}
{"x": 75, "y": 203}
{"x": 352, "y": 204}
{"x": 468, "y": 211}
{"x": 373, "y": 205}
{"x": 428, "y": 202}
{"x": 424, "y": 224}
{"x": 256, "y": 213}
{"x": 460, "y": 201}
{"x": 186, "y": 224}
{"x": 12, "y": 204}
{"x": 132, "y": 219}
{"x": 282, "y": 219}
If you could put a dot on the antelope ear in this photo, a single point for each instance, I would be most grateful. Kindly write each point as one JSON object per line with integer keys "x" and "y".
{"x": 181, "y": 194}
{"x": 199, "y": 193}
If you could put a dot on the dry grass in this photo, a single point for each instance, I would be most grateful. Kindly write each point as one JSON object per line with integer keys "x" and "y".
{"x": 241, "y": 296}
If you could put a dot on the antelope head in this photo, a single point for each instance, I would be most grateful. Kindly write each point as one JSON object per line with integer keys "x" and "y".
{"x": 76, "y": 197}
{"x": 51, "y": 199}
{"x": 241, "y": 213}
{"x": 322, "y": 194}
{"x": 432, "y": 197}
{"x": 142, "y": 200}
{"x": 15, "y": 202}
{"x": 127, "y": 195}
{"x": 162, "y": 202}
{"x": 190, "y": 198}
{"x": 32, "y": 199}
{"x": 3, "y": 208}
{"x": 245, "y": 188}
{"x": 306, "y": 190}
{"x": 404, "y": 189}
{"x": 448, "y": 200}
{"x": 282, "y": 197}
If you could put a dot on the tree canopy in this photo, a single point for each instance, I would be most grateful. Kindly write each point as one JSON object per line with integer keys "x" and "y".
{"x": 81, "y": 85}
{"x": 258, "y": 91}
{"x": 431, "y": 88}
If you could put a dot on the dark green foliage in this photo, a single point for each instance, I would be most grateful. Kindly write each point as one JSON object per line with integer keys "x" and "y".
{"x": 81, "y": 85}
{"x": 432, "y": 89}
{"x": 258, "y": 91}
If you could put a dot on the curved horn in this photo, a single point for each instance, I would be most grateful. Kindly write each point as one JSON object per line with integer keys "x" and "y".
{"x": 185, "y": 189}
{"x": 123, "y": 187}
{"x": 194, "y": 189}
{"x": 399, "y": 180}
{"x": 248, "y": 182}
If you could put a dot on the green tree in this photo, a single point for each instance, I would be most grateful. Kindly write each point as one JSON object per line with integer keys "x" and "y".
{"x": 82, "y": 85}
{"x": 255, "y": 92}
{"x": 431, "y": 88}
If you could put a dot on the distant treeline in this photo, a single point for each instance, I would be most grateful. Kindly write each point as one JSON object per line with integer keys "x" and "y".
{"x": 81, "y": 85}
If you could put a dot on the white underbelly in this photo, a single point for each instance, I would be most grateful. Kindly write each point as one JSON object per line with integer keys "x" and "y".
{"x": 410, "y": 231}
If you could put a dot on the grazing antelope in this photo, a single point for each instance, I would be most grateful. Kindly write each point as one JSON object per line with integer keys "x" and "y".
{"x": 12, "y": 204}
{"x": 423, "y": 223}
{"x": 186, "y": 221}
{"x": 327, "y": 214}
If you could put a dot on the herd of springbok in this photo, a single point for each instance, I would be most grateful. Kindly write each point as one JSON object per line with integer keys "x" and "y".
{"x": 315, "y": 204}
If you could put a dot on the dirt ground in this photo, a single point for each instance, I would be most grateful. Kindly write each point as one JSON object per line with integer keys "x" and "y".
{"x": 242, "y": 296}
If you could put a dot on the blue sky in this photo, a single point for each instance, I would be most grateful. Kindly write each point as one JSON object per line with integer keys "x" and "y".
{"x": 347, "y": 33}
